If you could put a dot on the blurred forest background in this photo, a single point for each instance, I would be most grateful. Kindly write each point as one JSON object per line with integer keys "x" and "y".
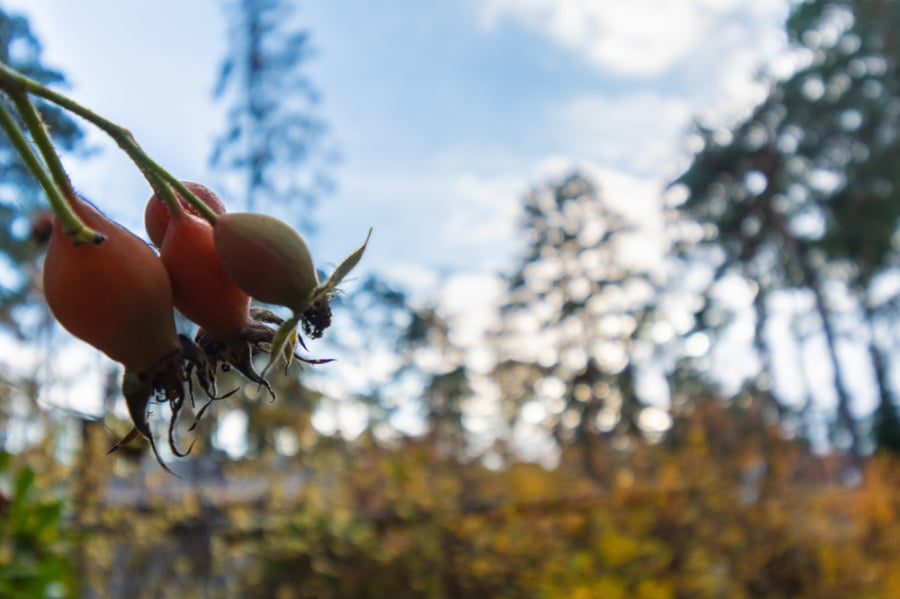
{"x": 783, "y": 229}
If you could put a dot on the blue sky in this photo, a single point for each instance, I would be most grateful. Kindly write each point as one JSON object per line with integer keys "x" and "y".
{"x": 444, "y": 113}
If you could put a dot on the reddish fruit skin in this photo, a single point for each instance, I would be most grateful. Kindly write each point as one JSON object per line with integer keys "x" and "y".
{"x": 266, "y": 258}
{"x": 156, "y": 214}
{"x": 201, "y": 289}
{"x": 115, "y": 296}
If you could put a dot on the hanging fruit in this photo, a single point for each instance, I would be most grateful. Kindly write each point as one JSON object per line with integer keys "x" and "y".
{"x": 272, "y": 263}
{"x": 116, "y": 296}
{"x": 204, "y": 293}
{"x": 157, "y": 214}
{"x": 267, "y": 258}
{"x": 110, "y": 289}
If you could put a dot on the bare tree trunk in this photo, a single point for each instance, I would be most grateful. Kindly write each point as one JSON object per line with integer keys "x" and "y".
{"x": 763, "y": 350}
{"x": 886, "y": 425}
{"x": 811, "y": 279}
{"x": 771, "y": 163}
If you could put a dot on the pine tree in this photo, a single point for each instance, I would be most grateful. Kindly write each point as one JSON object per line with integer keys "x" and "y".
{"x": 802, "y": 197}
{"x": 269, "y": 154}
{"x": 573, "y": 308}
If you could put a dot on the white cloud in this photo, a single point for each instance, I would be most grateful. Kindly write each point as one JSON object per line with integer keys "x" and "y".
{"x": 469, "y": 300}
{"x": 485, "y": 209}
{"x": 641, "y": 38}
{"x": 638, "y": 133}
{"x": 485, "y": 221}
{"x": 634, "y": 196}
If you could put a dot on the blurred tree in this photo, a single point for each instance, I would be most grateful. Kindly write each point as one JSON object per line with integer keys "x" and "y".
{"x": 268, "y": 152}
{"x": 413, "y": 377}
{"x": 20, "y": 195}
{"x": 803, "y": 196}
{"x": 367, "y": 328}
{"x": 427, "y": 351}
{"x": 271, "y": 157}
{"x": 573, "y": 309}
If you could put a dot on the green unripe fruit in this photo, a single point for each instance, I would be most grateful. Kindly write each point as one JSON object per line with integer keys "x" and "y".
{"x": 266, "y": 258}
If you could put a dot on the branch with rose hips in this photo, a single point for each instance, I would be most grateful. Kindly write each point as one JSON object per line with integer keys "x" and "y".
{"x": 112, "y": 290}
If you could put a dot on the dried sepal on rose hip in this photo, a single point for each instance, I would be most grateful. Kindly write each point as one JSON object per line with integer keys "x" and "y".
{"x": 116, "y": 296}
{"x": 271, "y": 261}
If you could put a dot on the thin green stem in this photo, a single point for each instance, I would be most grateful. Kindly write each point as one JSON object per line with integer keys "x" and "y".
{"x": 73, "y": 226}
{"x": 38, "y": 130}
{"x": 205, "y": 211}
{"x": 164, "y": 190}
{"x": 14, "y": 82}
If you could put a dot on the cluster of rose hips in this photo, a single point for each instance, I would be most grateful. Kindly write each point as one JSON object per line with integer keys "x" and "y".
{"x": 109, "y": 288}
{"x": 119, "y": 296}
